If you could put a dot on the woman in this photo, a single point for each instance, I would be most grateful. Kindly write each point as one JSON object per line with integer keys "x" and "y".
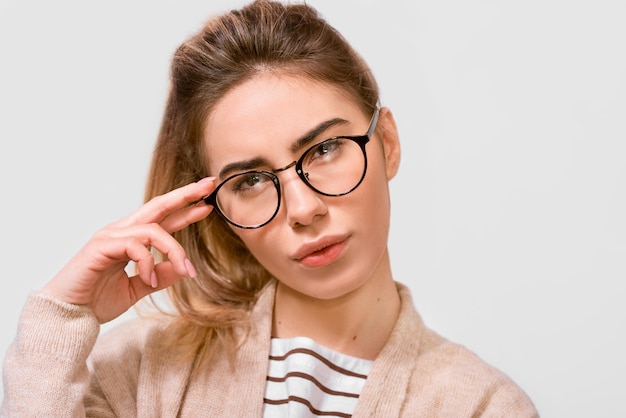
{"x": 266, "y": 219}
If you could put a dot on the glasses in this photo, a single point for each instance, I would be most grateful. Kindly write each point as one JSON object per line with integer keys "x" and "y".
{"x": 334, "y": 167}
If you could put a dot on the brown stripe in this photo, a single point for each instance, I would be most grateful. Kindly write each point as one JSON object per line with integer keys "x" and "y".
{"x": 308, "y": 405}
{"x": 315, "y": 381}
{"x": 322, "y": 359}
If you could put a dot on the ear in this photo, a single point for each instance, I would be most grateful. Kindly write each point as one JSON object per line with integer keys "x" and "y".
{"x": 390, "y": 141}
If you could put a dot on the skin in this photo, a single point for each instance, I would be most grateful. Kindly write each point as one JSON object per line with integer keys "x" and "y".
{"x": 96, "y": 275}
{"x": 351, "y": 279}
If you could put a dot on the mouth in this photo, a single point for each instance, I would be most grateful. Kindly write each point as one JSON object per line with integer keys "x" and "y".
{"x": 321, "y": 252}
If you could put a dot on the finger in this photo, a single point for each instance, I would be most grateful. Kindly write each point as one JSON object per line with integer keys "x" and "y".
{"x": 144, "y": 261}
{"x": 161, "y": 206}
{"x": 185, "y": 217}
{"x": 119, "y": 251}
{"x": 119, "y": 240}
{"x": 165, "y": 276}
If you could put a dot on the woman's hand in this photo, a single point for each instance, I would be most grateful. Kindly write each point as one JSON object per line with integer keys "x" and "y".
{"x": 96, "y": 275}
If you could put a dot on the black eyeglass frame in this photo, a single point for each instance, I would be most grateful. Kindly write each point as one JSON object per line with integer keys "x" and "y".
{"x": 361, "y": 140}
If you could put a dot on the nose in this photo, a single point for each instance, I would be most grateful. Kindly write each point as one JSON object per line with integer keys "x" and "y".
{"x": 301, "y": 203}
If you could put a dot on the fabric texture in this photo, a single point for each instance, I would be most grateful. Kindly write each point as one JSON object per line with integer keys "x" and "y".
{"x": 59, "y": 367}
{"x": 307, "y": 379}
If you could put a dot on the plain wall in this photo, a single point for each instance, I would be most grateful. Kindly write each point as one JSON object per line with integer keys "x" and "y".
{"x": 508, "y": 211}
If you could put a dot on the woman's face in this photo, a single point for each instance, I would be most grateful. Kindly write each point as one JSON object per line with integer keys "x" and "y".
{"x": 319, "y": 246}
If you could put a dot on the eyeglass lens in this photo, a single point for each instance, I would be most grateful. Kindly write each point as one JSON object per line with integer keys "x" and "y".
{"x": 333, "y": 167}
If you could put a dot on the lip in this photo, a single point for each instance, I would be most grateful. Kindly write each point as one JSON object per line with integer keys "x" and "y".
{"x": 321, "y": 252}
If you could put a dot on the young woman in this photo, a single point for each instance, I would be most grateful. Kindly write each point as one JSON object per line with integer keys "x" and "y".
{"x": 266, "y": 220}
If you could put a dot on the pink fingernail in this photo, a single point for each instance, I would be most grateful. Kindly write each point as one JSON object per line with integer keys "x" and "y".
{"x": 153, "y": 280}
{"x": 191, "y": 270}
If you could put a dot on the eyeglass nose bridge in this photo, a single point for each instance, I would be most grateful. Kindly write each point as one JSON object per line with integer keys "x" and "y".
{"x": 303, "y": 176}
{"x": 287, "y": 167}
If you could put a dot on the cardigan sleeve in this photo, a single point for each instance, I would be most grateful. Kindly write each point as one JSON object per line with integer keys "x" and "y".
{"x": 45, "y": 368}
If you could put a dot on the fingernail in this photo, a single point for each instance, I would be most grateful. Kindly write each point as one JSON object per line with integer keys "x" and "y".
{"x": 190, "y": 269}
{"x": 153, "y": 280}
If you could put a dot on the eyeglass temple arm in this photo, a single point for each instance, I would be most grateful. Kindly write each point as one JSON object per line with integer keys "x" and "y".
{"x": 373, "y": 122}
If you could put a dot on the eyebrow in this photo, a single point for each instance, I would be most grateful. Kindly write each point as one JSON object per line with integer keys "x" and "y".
{"x": 296, "y": 146}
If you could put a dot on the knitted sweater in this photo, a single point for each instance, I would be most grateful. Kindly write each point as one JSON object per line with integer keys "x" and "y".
{"x": 132, "y": 374}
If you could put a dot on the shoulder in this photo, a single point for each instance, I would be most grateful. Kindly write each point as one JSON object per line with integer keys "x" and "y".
{"x": 125, "y": 351}
{"x": 132, "y": 335}
{"x": 130, "y": 341}
{"x": 448, "y": 375}
{"x": 445, "y": 364}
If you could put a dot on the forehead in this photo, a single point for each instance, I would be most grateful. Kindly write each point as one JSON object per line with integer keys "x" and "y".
{"x": 264, "y": 115}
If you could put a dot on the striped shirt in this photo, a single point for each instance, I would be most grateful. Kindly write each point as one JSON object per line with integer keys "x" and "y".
{"x": 306, "y": 379}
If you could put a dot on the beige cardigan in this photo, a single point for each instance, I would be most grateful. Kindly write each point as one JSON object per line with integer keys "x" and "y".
{"x": 130, "y": 374}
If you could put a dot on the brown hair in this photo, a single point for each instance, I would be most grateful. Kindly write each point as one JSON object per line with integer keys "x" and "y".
{"x": 264, "y": 36}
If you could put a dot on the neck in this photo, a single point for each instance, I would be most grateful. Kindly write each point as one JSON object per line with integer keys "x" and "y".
{"x": 357, "y": 324}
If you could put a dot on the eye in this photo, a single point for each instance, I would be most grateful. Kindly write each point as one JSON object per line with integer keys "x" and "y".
{"x": 249, "y": 182}
{"x": 325, "y": 150}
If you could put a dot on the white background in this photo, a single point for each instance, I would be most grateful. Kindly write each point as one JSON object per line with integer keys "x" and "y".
{"x": 508, "y": 212}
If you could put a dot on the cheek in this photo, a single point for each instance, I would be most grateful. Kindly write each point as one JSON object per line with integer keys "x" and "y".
{"x": 375, "y": 207}
{"x": 374, "y": 191}
{"x": 260, "y": 241}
